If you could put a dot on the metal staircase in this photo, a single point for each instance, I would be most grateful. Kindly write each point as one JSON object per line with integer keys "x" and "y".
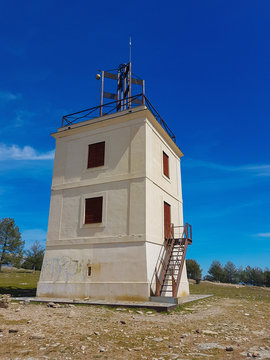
{"x": 171, "y": 261}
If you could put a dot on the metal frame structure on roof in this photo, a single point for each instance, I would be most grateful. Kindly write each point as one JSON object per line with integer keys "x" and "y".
{"x": 122, "y": 99}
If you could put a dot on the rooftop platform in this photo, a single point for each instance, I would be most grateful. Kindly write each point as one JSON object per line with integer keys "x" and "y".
{"x": 118, "y": 106}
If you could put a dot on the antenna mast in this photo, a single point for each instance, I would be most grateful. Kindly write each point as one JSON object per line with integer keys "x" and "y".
{"x": 122, "y": 97}
{"x": 130, "y": 49}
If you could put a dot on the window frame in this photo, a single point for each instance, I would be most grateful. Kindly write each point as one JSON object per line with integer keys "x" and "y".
{"x": 99, "y": 215}
{"x": 104, "y": 195}
{"x": 96, "y": 164}
{"x": 165, "y": 156}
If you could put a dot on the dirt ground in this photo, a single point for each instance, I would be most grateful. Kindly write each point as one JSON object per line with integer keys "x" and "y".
{"x": 212, "y": 328}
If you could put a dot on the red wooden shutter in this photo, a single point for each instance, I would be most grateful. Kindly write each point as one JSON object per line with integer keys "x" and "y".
{"x": 165, "y": 164}
{"x": 167, "y": 220}
{"x": 96, "y": 153}
{"x": 93, "y": 210}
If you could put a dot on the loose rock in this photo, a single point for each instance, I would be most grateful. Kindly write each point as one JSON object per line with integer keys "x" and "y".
{"x": 157, "y": 339}
{"x": 51, "y": 304}
{"x": 37, "y": 337}
{"x": 4, "y": 301}
{"x": 209, "y": 346}
{"x": 209, "y": 332}
{"x": 71, "y": 314}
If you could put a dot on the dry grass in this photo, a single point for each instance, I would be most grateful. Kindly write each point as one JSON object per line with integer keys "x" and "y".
{"x": 238, "y": 317}
{"x": 252, "y": 293}
{"x": 18, "y": 282}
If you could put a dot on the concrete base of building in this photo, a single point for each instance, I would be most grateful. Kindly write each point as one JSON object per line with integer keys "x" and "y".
{"x": 95, "y": 291}
{"x": 154, "y": 305}
{"x": 164, "y": 299}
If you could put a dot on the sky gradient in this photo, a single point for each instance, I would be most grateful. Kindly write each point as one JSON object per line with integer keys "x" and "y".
{"x": 207, "y": 71}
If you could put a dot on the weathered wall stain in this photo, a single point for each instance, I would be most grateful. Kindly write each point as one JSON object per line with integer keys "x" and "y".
{"x": 61, "y": 269}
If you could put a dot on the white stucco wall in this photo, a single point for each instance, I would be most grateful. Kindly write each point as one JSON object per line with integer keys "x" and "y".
{"x": 160, "y": 189}
{"x": 117, "y": 271}
{"x": 123, "y": 249}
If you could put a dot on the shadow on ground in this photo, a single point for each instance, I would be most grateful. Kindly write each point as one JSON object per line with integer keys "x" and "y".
{"x": 17, "y": 292}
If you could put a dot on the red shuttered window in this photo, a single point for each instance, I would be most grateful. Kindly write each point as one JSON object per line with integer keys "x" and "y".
{"x": 96, "y": 153}
{"x": 93, "y": 210}
{"x": 166, "y": 165}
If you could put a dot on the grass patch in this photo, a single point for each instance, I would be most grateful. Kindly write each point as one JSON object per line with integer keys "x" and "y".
{"x": 179, "y": 308}
{"x": 127, "y": 309}
{"x": 24, "y": 283}
{"x": 251, "y": 293}
{"x": 14, "y": 322}
{"x": 18, "y": 283}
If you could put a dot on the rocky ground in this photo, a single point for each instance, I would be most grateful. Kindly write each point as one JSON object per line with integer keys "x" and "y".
{"x": 213, "y": 328}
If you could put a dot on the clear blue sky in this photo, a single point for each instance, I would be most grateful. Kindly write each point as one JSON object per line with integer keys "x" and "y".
{"x": 207, "y": 70}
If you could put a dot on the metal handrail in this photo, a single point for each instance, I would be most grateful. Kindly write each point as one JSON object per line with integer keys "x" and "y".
{"x": 164, "y": 258}
{"x": 114, "y": 106}
{"x": 182, "y": 250}
{"x": 161, "y": 260}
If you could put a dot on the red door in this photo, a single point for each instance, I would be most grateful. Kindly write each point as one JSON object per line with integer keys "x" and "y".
{"x": 167, "y": 220}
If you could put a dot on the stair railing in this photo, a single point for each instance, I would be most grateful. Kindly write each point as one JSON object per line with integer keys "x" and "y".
{"x": 184, "y": 238}
{"x": 181, "y": 254}
{"x": 163, "y": 261}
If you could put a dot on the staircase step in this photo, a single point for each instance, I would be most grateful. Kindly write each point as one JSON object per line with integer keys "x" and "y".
{"x": 175, "y": 249}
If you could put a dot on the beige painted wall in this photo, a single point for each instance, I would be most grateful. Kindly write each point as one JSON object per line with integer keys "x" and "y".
{"x": 160, "y": 189}
{"x": 133, "y": 188}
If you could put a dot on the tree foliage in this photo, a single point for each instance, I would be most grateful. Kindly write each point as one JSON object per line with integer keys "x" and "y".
{"x": 193, "y": 270}
{"x": 230, "y": 274}
{"x": 267, "y": 277}
{"x": 216, "y": 271}
{"x": 253, "y": 276}
{"x": 34, "y": 257}
{"x": 11, "y": 243}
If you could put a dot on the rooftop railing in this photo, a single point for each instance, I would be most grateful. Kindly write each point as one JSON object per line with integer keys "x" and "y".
{"x": 116, "y": 106}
